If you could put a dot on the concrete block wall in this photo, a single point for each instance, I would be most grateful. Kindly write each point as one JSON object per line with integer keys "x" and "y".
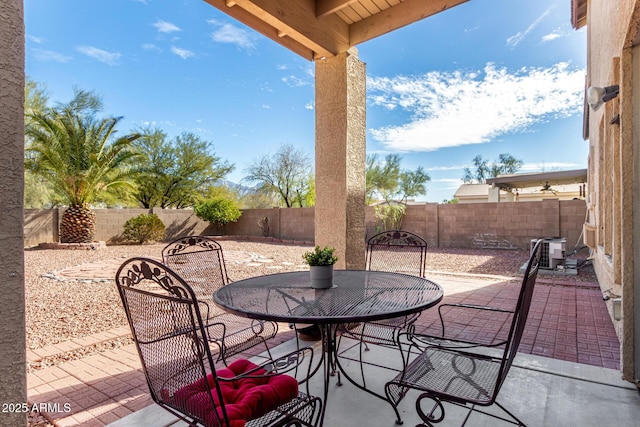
{"x": 297, "y": 224}
{"x": 178, "y": 222}
{"x": 110, "y": 222}
{"x": 509, "y": 225}
{"x": 40, "y": 226}
{"x": 285, "y": 224}
{"x": 247, "y": 224}
{"x": 182, "y": 222}
{"x": 572, "y": 215}
{"x": 477, "y": 225}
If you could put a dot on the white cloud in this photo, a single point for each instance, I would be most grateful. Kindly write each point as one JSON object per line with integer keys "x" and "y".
{"x": 166, "y": 27}
{"x": 49, "y": 55}
{"x": 305, "y": 76}
{"x": 151, "y": 46}
{"x": 227, "y": 33}
{"x": 295, "y": 81}
{"x": 514, "y": 40}
{"x": 446, "y": 168}
{"x": 562, "y": 31}
{"x": 182, "y": 53}
{"x": 142, "y": 1}
{"x": 309, "y": 105}
{"x": 109, "y": 58}
{"x": 471, "y": 29}
{"x": 548, "y": 166}
{"x": 453, "y": 109}
{"x": 35, "y": 39}
{"x": 448, "y": 183}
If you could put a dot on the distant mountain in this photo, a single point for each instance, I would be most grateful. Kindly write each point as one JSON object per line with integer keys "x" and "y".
{"x": 242, "y": 190}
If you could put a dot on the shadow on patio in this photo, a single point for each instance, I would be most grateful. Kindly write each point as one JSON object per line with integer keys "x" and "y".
{"x": 568, "y": 323}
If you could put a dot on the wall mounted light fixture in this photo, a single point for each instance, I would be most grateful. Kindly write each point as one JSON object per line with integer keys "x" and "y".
{"x": 596, "y": 96}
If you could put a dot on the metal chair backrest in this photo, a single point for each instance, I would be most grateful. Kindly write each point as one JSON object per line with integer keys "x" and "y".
{"x": 168, "y": 331}
{"x": 520, "y": 314}
{"x": 199, "y": 261}
{"x": 397, "y": 251}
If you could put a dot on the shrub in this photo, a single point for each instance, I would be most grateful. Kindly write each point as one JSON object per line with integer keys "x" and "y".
{"x": 389, "y": 216}
{"x": 144, "y": 228}
{"x": 264, "y": 225}
{"x": 218, "y": 210}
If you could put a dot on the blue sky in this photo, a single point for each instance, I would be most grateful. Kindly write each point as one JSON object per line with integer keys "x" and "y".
{"x": 484, "y": 78}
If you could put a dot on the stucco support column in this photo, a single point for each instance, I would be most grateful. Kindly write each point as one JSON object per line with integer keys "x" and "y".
{"x": 340, "y": 157}
{"x": 13, "y": 377}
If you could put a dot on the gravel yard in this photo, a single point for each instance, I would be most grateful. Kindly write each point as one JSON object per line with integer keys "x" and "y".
{"x": 61, "y": 310}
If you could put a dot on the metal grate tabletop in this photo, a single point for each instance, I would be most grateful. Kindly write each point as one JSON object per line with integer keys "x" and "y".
{"x": 357, "y": 296}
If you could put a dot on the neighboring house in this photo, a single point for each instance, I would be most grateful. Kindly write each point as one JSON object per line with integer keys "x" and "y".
{"x": 477, "y": 193}
{"x": 526, "y": 187}
{"x": 612, "y": 126}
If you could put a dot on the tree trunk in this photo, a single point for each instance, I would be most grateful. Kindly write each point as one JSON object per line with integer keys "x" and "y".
{"x": 78, "y": 225}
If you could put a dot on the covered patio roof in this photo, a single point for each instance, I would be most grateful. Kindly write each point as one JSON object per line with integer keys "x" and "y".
{"x": 324, "y": 28}
{"x": 578, "y": 13}
{"x": 523, "y": 180}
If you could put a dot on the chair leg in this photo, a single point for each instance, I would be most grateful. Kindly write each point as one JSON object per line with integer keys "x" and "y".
{"x": 520, "y": 423}
{"x": 429, "y": 417}
{"x": 394, "y": 399}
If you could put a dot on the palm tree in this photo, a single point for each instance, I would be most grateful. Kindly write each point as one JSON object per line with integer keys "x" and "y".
{"x": 78, "y": 155}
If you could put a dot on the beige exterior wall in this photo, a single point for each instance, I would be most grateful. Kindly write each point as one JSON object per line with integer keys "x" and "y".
{"x": 340, "y": 157}
{"x": 482, "y": 225}
{"x": 612, "y": 31}
{"x": 13, "y": 376}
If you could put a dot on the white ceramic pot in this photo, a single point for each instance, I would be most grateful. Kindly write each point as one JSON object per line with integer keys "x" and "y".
{"x": 321, "y": 276}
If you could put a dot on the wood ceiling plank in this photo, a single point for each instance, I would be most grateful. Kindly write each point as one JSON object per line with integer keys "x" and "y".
{"x": 360, "y": 10}
{"x": 351, "y": 14}
{"x": 344, "y": 17}
{"x": 396, "y": 17}
{"x": 371, "y": 6}
{"x": 327, "y": 7}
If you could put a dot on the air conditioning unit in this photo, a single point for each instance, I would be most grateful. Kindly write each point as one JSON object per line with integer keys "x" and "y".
{"x": 552, "y": 252}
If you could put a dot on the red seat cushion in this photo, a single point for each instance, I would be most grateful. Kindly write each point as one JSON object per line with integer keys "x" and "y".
{"x": 244, "y": 399}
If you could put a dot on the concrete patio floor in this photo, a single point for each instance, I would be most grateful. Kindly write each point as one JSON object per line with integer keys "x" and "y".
{"x": 539, "y": 390}
{"x": 568, "y": 323}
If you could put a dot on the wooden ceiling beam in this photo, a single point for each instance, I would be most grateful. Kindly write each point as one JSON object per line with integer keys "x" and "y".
{"x": 400, "y": 15}
{"x": 327, "y": 7}
{"x": 297, "y": 19}
{"x": 263, "y": 28}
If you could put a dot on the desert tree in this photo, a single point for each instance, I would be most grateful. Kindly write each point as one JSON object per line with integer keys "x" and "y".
{"x": 506, "y": 164}
{"x": 387, "y": 180}
{"x": 284, "y": 174}
{"x": 175, "y": 173}
{"x": 80, "y": 156}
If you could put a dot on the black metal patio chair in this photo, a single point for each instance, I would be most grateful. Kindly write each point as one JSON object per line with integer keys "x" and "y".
{"x": 395, "y": 251}
{"x": 199, "y": 260}
{"x": 464, "y": 373}
{"x": 400, "y": 252}
{"x": 171, "y": 338}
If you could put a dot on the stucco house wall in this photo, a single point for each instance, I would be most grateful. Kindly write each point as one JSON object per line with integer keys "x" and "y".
{"x": 13, "y": 375}
{"x": 612, "y": 34}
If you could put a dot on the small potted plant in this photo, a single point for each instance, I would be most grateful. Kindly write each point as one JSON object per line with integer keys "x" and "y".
{"x": 321, "y": 266}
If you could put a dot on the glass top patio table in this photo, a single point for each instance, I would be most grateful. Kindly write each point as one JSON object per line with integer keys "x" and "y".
{"x": 357, "y": 296}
